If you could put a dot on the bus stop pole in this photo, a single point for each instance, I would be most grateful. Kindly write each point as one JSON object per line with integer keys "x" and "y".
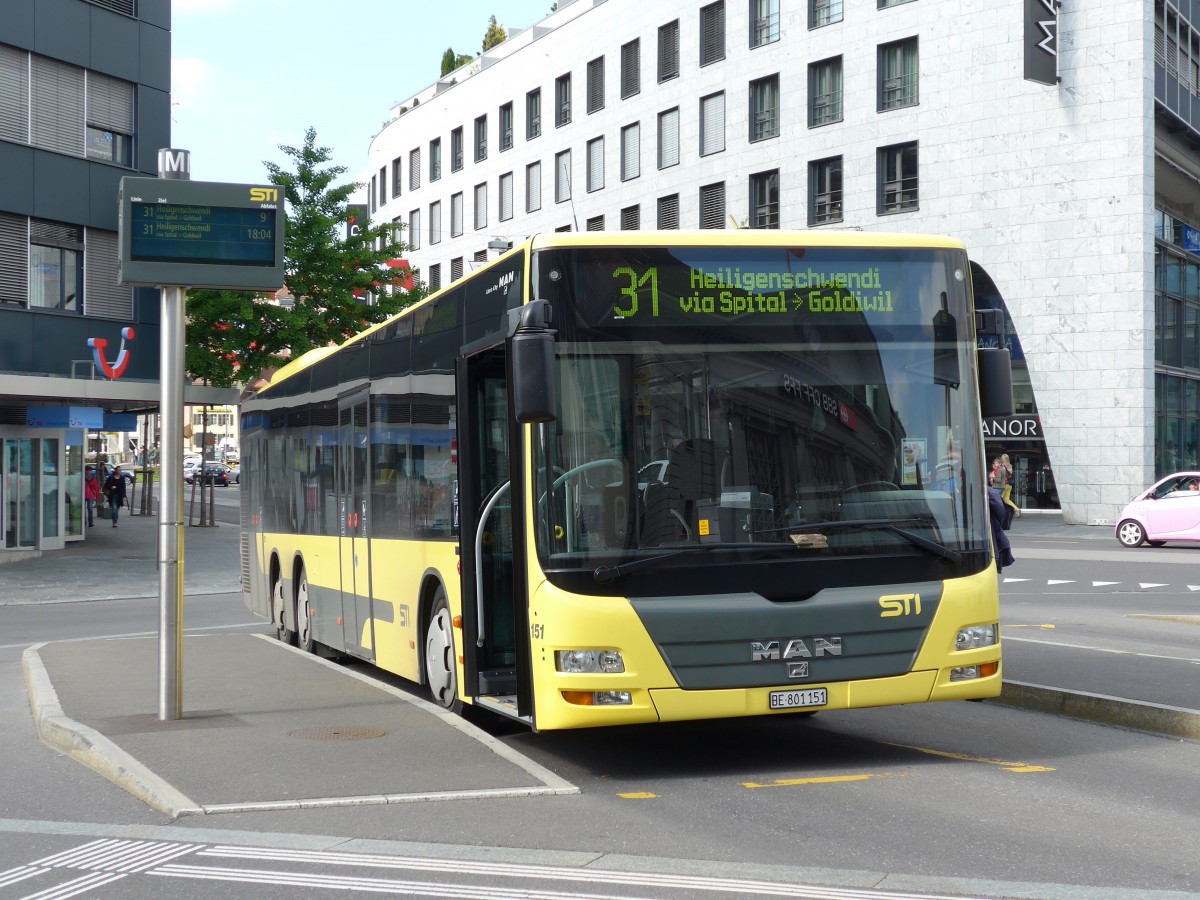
{"x": 170, "y": 520}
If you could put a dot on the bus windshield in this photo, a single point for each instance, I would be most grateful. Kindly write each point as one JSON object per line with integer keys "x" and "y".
{"x": 772, "y": 403}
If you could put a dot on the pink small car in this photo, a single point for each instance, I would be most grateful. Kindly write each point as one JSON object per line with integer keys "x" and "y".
{"x": 1169, "y": 510}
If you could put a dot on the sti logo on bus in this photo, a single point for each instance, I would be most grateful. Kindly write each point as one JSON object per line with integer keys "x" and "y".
{"x": 900, "y": 605}
{"x": 264, "y": 195}
{"x": 796, "y": 647}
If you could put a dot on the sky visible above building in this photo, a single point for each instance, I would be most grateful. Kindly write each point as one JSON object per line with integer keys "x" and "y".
{"x": 250, "y": 75}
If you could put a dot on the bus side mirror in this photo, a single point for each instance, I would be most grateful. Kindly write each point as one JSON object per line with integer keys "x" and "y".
{"x": 533, "y": 347}
{"x": 995, "y": 382}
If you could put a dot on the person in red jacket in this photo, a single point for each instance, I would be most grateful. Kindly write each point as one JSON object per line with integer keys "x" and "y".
{"x": 91, "y": 493}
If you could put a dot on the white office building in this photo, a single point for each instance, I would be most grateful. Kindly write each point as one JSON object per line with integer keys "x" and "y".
{"x": 1060, "y": 144}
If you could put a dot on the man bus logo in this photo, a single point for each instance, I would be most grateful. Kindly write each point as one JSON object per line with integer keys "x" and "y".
{"x": 264, "y": 195}
{"x": 116, "y": 369}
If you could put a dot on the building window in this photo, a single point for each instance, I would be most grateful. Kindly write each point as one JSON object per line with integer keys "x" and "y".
{"x": 595, "y": 223}
{"x": 825, "y": 91}
{"x": 435, "y": 277}
{"x": 898, "y": 182}
{"x": 631, "y": 68}
{"x": 533, "y": 187}
{"x": 562, "y": 100}
{"x": 435, "y": 222}
{"x": 824, "y": 12}
{"x": 595, "y": 164}
{"x": 396, "y": 172}
{"x": 480, "y": 256}
{"x": 456, "y": 149}
{"x": 712, "y": 205}
{"x": 55, "y": 266}
{"x": 631, "y": 151}
{"x": 382, "y": 185}
{"x": 481, "y": 206}
{"x": 506, "y": 127}
{"x": 14, "y": 96}
{"x": 712, "y": 123}
{"x": 481, "y": 139}
{"x": 898, "y": 74}
{"x": 825, "y": 191}
{"x": 764, "y": 108}
{"x": 435, "y": 159}
{"x": 595, "y": 85}
{"x": 668, "y": 51}
{"x": 414, "y": 229}
{"x": 456, "y": 269}
{"x": 506, "y": 196}
{"x": 668, "y": 212}
{"x": 668, "y": 138}
{"x": 109, "y": 132}
{"x": 884, "y": 4}
{"x": 414, "y": 168}
{"x": 456, "y": 215}
{"x": 562, "y": 176}
{"x": 631, "y": 218}
{"x": 764, "y": 22}
{"x": 712, "y": 33}
{"x": 764, "y": 199}
{"x": 533, "y": 114}
{"x": 56, "y": 105}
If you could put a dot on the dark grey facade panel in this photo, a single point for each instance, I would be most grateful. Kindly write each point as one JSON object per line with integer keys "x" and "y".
{"x": 154, "y": 128}
{"x": 114, "y": 45}
{"x": 156, "y": 13}
{"x": 17, "y": 16}
{"x": 60, "y": 187}
{"x": 103, "y": 189}
{"x": 154, "y": 58}
{"x": 61, "y": 31}
{"x": 16, "y": 178}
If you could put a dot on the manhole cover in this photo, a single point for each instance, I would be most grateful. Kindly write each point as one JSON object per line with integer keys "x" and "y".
{"x": 337, "y": 733}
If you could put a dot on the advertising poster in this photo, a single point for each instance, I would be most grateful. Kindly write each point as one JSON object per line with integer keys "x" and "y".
{"x": 915, "y": 461}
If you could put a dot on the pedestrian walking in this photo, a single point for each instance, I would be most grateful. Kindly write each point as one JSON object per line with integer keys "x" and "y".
{"x": 114, "y": 491}
{"x": 1002, "y": 476}
{"x": 91, "y": 493}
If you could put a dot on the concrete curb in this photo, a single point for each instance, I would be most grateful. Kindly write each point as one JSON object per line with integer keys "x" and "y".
{"x": 1103, "y": 709}
{"x": 92, "y": 749}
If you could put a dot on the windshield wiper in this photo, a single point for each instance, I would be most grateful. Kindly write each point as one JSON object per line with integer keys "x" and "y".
{"x": 609, "y": 574}
{"x": 883, "y": 524}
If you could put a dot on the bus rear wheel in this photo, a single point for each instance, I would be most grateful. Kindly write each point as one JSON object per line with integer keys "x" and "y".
{"x": 304, "y": 632}
{"x": 279, "y": 612}
{"x": 441, "y": 669}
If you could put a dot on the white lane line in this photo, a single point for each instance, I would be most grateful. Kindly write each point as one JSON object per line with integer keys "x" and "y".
{"x": 75, "y": 886}
{"x": 1070, "y": 646}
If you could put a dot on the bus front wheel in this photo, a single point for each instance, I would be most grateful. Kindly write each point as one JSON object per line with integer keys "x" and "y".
{"x": 279, "y": 612}
{"x": 441, "y": 670}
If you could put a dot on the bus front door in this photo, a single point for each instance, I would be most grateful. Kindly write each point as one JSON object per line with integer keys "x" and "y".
{"x": 494, "y": 586}
{"x": 354, "y": 548}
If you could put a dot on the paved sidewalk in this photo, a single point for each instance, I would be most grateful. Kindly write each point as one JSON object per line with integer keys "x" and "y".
{"x": 122, "y": 562}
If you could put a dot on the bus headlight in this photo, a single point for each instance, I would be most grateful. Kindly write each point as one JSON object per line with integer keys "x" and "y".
{"x": 589, "y": 661}
{"x": 976, "y": 636}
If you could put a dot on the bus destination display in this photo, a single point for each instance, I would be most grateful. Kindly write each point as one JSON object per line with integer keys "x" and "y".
{"x": 162, "y": 232}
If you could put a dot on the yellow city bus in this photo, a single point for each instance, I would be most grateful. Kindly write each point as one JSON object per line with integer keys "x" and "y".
{"x": 645, "y": 477}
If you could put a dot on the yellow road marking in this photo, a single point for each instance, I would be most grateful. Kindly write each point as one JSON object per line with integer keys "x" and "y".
{"x": 1188, "y": 620}
{"x": 1018, "y": 767}
{"x": 638, "y": 795}
{"x": 830, "y": 779}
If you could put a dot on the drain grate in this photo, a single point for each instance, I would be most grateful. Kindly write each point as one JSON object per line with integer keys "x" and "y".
{"x": 337, "y": 733}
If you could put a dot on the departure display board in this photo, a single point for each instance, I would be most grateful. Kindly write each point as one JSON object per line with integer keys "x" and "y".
{"x": 201, "y": 234}
{"x": 167, "y": 233}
